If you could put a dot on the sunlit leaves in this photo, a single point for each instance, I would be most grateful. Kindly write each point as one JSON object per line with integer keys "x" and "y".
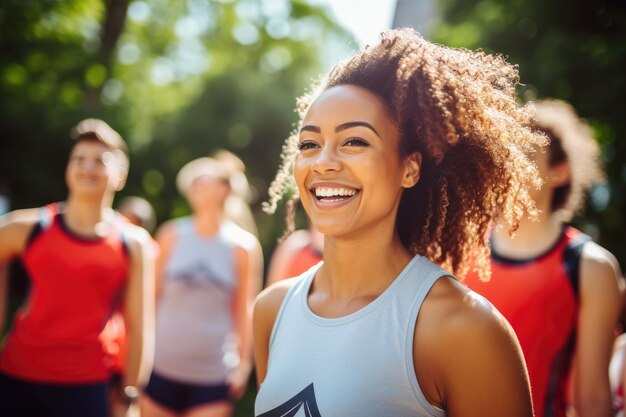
{"x": 185, "y": 78}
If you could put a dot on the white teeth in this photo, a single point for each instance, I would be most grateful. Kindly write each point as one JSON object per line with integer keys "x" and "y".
{"x": 332, "y": 192}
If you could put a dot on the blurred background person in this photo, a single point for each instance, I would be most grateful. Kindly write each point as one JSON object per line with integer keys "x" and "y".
{"x": 559, "y": 290}
{"x": 139, "y": 212}
{"x": 295, "y": 254}
{"x": 82, "y": 259}
{"x": 208, "y": 273}
{"x": 237, "y": 206}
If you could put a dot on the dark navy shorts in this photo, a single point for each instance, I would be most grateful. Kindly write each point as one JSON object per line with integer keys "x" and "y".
{"x": 181, "y": 396}
{"x": 19, "y": 398}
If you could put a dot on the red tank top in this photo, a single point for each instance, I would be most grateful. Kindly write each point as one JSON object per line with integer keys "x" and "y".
{"x": 75, "y": 283}
{"x": 539, "y": 298}
{"x": 302, "y": 261}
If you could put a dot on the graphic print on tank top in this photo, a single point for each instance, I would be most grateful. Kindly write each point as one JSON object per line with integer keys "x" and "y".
{"x": 303, "y": 404}
{"x": 203, "y": 275}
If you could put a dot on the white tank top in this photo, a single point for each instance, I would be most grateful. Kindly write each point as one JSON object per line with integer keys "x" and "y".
{"x": 357, "y": 365}
{"x": 194, "y": 325}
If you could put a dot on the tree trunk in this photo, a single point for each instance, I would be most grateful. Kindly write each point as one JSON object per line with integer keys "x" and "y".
{"x": 112, "y": 28}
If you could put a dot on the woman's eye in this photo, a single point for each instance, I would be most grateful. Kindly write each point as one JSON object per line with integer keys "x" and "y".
{"x": 303, "y": 146}
{"x": 355, "y": 142}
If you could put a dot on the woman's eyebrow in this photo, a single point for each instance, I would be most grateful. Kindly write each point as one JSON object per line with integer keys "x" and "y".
{"x": 349, "y": 125}
{"x": 310, "y": 128}
{"x": 343, "y": 126}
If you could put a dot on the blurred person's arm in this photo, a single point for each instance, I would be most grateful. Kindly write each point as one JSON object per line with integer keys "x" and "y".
{"x": 15, "y": 227}
{"x": 600, "y": 306}
{"x": 139, "y": 309}
{"x": 617, "y": 374}
{"x": 249, "y": 266}
{"x": 165, "y": 237}
{"x": 4, "y": 294}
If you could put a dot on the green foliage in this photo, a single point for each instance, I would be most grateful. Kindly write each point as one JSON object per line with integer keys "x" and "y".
{"x": 183, "y": 79}
{"x": 42, "y": 83}
{"x": 574, "y": 51}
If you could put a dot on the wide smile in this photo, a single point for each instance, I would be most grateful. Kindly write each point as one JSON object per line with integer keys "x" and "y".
{"x": 333, "y": 196}
{"x": 87, "y": 178}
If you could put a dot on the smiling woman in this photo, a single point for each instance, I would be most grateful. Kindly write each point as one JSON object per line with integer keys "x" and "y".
{"x": 404, "y": 155}
{"x": 84, "y": 262}
{"x": 344, "y": 160}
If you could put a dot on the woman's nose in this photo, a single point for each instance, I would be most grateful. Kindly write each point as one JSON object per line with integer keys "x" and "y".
{"x": 326, "y": 161}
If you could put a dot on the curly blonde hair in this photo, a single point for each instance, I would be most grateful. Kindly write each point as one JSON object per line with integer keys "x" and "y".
{"x": 571, "y": 141}
{"x": 458, "y": 109}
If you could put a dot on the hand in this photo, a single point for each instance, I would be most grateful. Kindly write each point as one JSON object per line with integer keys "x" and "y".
{"x": 122, "y": 408}
{"x": 238, "y": 380}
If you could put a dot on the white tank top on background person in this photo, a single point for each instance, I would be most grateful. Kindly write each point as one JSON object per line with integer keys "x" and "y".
{"x": 194, "y": 325}
{"x": 360, "y": 364}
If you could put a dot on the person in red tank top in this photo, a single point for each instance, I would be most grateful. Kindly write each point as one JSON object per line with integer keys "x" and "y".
{"x": 82, "y": 259}
{"x": 559, "y": 290}
{"x": 295, "y": 254}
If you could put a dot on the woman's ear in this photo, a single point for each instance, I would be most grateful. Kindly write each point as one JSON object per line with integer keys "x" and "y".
{"x": 412, "y": 168}
{"x": 122, "y": 176}
{"x": 559, "y": 175}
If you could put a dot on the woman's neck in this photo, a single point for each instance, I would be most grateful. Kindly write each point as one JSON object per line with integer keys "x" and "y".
{"x": 88, "y": 217}
{"x": 207, "y": 222}
{"x": 532, "y": 238}
{"x": 355, "y": 267}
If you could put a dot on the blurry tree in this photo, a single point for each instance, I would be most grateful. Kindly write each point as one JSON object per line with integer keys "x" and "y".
{"x": 575, "y": 51}
{"x": 44, "y": 73}
{"x": 178, "y": 79}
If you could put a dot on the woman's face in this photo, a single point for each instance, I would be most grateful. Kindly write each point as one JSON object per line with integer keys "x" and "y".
{"x": 93, "y": 169}
{"x": 552, "y": 175}
{"x": 348, "y": 171}
{"x": 207, "y": 192}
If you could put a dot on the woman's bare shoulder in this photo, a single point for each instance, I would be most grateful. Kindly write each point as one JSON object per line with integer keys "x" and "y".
{"x": 470, "y": 348}
{"x": 268, "y": 301}
{"x": 455, "y": 312}
{"x": 21, "y": 218}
